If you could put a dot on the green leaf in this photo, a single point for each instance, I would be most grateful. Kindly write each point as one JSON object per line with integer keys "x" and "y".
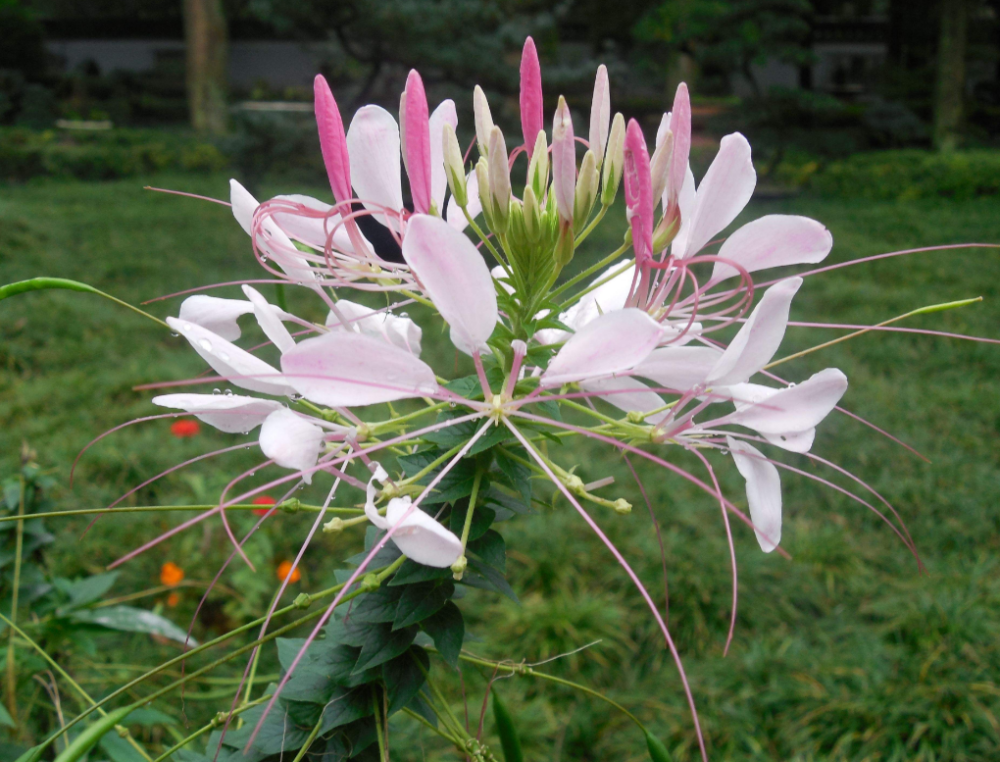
{"x": 148, "y": 717}
{"x": 447, "y": 630}
{"x": 346, "y": 707}
{"x": 421, "y": 601}
{"x": 34, "y": 754}
{"x": 518, "y": 475}
{"x": 403, "y": 677}
{"x": 383, "y": 644}
{"x": 130, "y": 619}
{"x": 89, "y": 736}
{"x": 482, "y": 518}
{"x": 118, "y": 749}
{"x": 87, "y": 590}
{"x": 509, "y": 740}
{"x": 5, "y": 719}
{"x": 492, "y": 549}
{"x": 377, "y": 606}
{"x": 657, "y": 750}
{"x": 411, "y": 572}
{"x": 489, "y": 579}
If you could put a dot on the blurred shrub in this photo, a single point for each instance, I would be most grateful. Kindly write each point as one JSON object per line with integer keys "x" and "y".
{"x": 273, "y": 144}
{"x": 899, "y": 175}
{"x": 104, "y": 155}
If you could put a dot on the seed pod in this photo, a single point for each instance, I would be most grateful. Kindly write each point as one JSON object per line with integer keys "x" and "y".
{"x": 614, "y": 161}
{"x": 586, "y": 190}
{"x": 657, "y": 751}
{"x": 499, "y": 180}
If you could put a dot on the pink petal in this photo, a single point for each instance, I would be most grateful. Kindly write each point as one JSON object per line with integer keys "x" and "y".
{"x": 724, "y": 191}
{"x": 685, "y": 204}
{"x": 269, "y": 318}
{"x": 455, "y": 277}
{"x": 373, "y": 140}
{"x": 395, "y": 329}
{"x": 679, "y": 368}
{"x": 291, "y": 441}
{"x": 456, "y": 217}
{"x": 763, "y": 492}
{"x": 280, "y": 247}
{"x": 444, "y": 114}
{"x": 628, "y": 394}
{"x": 638, "y": 192}
{"x": 680, "y": 125}
{"x": 600, "y": 113}
{"x": 607, "y": 297}
{"x": 796, "y": 408}
{"x": 343, "y": 369}
{"x": 613, "y": 343}
{"x": 420, "y": 537}
{"x": 759, "y": 338}
{"x": 563, "y": 160}
{"x": 418, "y": 143}
{"x": 532, "y": 115}
{"x": 332, "y": 141}
{"x": 231, "y": 413}
{"x": 216, "y": 314}
{"x": 228, "y": 360}
{"x": 776, "y": 240}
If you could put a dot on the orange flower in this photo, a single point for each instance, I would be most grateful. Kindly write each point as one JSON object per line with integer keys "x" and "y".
{"x": 171, "y": 574}
{"x": 173, "y": 599}
{"x": 262, "y": 500}
{"x": 185, "y": 427}
{"x": 284, "y": 568}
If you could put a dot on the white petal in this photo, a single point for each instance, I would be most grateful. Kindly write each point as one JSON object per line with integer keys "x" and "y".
{"x": 607, "y": 297}
{"x": 232, "y": 413}
{"x": 455, "y": 277}
{"x": 794, "y": 409}
{"x": 420, "y": 537}
{"x": 373, "y": 144}
{"x": 291, "y": 441}
{"x": 276, "y": 244}
{"x": 763, "y": 492}
{"x": 679, "y": 368}
{"x": 456, "y": 217}
{"x": 776, "y": 240}
{"x": 628, "y": 394}
{"x": 370, "y": 492}
{"x": 759, "y": 338}
{"x": 685, "y": 203}
{"x": 269, "y": 318}
{"x": 613, "y": 343}
{"x": 238, "y": 366}
{"x": 315, "y": 230}
{"x": 396, "y": 329}
{"x": 724, "y": 191}
{"x": 348, "y": 369}
{"x": 444, "y": 114}
{"x": 216, "y": 314}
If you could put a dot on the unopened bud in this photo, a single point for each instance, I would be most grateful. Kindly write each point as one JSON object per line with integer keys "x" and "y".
{"x": 458, "y": 568}
{"x": 499, "y": 180}
{"x": 538, "y": 167}
{"x": 334, "y": 525}
{"x": 483, "y": 181}
{"x": 563, "y": 160}
{"x": 665, "y": 233}
{"x": 484, "y": 120}
{"x": 291, "y": 505}
{"x": 370, "y": 583}
{"x": 302, "y": 601}
{"x": 622, "y": 506}
{"x": 454, "y": 166}
{"x": 586, "y": 190}
{"x": 564, "y": 246}
{"x": 614, "y": 161}
{"x": 575, "y": 484}
{"x": 532, "y": 215}
{"x": 659, "y": 166}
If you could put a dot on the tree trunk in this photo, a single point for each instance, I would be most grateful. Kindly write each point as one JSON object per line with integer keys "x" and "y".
{"x": 950, "y": 73}
{"x": 207, "y": 61}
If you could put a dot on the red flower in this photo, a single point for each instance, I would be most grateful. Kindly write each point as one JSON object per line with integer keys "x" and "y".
{"x": 262, "y": 500}
{"x": 185, "y": 427}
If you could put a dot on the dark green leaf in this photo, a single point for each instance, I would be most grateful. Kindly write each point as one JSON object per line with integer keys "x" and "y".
{"x": 148, "y": 717}
{"x": 411, "y": 572}
{"x": 87, "y": 590}
{"x": 488, "y": 578}
{"x": 657, "y": 751}
{"x": 346, "y": 707}
{"x": 277, "y": 733}
{"x": 447, "y": 629}
{"x": 509, "y": 740}
{"x": 551, "y": 409}
{"x": 504, "y": 505}
{"x": 518, "y": 475}
{"x": 5, "y": 719}
{"x": 482, "y": 518}
{"x": 492, "y": 549}
{"x": 377, "y": 606}
{"x": 383, "y": 644}
{"x": 129, "y": 619}
{"x": 403, "y": 677}
{"x": 418, "y": 705}
{"x": 420, "y": 601}
{"x": 118, "y": 749}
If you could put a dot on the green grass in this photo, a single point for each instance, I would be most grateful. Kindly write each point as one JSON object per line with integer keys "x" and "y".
{"x": 845, "y": 652}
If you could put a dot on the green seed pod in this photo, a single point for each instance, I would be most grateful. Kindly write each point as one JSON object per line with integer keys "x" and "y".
{"x": 454, "y": 166}
{"x": 86, "y": 740}
{"x": 509, "y": 740}
{"x": 586, "y": 190}
{"x": 538, "y": 167}
{"x": 657, "y": 751}
{"x": 614, "y": 161}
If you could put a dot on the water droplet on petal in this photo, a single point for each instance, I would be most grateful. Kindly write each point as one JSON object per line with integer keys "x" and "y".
{"x": 217, "y": 391}
{"x": 206, "y": 344}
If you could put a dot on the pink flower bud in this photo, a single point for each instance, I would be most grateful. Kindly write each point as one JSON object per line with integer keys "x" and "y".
{"x": 638, "y": 192}
{"x": 532, "y": 115}
{"x": 332, "y": 140}
{"x": 600, "y": 114}
{"x": 680, "y": 126}
{"x": 563, "y": 160}
{"x": 417, "y": 142}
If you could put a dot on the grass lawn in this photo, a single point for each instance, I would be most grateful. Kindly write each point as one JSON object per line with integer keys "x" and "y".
{"x": 844, "y": 652}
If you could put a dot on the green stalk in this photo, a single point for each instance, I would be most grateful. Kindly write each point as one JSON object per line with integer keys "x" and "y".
{"x": 383, "y": 754}
{"x": 590, "y": 227}
{"x": 154, "y": 508}
{"x": 41, "y": 284}
{"x": 206, "y": 728}
{"x": 11, "y": 665}
{"x": 472, "y": 507}
{"x": 311, "y": 737}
